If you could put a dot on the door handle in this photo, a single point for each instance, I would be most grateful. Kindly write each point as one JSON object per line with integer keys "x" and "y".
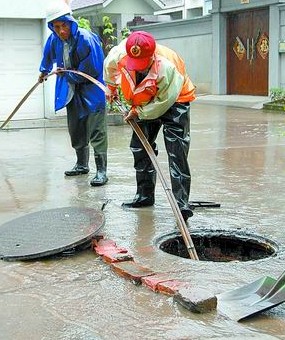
{"x": 252, "y": 50}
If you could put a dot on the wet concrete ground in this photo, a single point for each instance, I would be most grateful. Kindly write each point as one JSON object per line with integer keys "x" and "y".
{"x": 237, "y": 159}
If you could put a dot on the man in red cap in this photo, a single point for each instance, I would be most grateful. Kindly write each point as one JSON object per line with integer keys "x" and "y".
{"x": 154, "y": 82}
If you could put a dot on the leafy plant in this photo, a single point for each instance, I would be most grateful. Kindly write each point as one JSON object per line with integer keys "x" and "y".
{"x": 109, "y": 40}
{"x": 84, "y": 23}
{"x": 109, "y": 37}
{"x": 277, "y": 94}
{"x": 125, "y": 32}
{"x": 114, "y": 108}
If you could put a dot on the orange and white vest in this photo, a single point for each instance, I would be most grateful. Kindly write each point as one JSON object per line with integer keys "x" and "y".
{"x": 165, "y": 83}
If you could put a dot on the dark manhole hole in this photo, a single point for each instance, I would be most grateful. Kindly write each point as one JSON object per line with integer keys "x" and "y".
{"x": 220, "y": 246}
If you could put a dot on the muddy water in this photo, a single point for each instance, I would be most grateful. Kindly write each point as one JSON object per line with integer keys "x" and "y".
{"x": 237, "y": 159}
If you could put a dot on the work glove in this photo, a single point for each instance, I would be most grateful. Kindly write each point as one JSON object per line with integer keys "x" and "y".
{"x": 59, "y": 71}
{"x": 42, "y": 77}
{"x": 132, "y": 114}
{"x": 112, "y": 94}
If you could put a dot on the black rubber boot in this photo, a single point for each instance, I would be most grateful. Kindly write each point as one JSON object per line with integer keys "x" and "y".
{"x": 145, "y": 191}
{"x": 186, "y": 214}
{"x": 81, "y": 167}
{"x": 139, "y": 201}
{"x": 101, "y": 174}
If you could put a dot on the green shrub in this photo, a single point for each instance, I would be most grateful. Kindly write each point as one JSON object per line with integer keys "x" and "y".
{"x": 109, "y": 37}
{"x": 84, "y": 23}
{"x": 277, "y": 94}
{"x": 109, "y": 40}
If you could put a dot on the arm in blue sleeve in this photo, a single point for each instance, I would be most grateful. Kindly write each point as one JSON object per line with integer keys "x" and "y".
{"x": 48, "y": 56}
{"x": 91, "y": 58}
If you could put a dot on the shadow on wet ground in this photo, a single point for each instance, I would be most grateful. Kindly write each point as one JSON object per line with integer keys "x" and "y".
{"x": 237, "y": 159}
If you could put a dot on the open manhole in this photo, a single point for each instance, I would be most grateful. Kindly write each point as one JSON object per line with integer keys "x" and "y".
{"x": 220, "y": 246}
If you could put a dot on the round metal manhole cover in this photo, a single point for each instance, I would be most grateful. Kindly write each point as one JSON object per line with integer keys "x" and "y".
{"x": 48, "y": 232}
{"x": 220, "y": 245}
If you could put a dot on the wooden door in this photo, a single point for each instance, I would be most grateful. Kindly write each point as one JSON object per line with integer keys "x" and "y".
{"x": 247, "y": 52}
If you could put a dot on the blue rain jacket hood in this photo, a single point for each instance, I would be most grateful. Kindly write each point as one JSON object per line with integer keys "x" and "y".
{"x": 86, "y": 55}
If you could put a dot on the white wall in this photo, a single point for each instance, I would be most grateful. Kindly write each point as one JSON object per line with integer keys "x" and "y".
{"x": 29, "y": 11}
{"x": 26, "y": 9}
{"x": 192, "y": 39}
{"x": 128, "y": 7}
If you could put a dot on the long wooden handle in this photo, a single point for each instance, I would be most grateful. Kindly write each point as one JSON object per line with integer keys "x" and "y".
{"x": 26, "y": 96}
{"x": 20, "y": 104}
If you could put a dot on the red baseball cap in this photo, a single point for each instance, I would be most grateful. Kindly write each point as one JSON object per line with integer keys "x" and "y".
{"x": 140, "y": 47}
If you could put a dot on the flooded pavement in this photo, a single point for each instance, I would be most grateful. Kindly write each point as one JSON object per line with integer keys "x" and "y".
{"x": 237, "y": 159}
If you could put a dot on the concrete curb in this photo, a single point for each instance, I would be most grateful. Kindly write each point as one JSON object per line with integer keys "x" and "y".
{"x": 113, "y": 119}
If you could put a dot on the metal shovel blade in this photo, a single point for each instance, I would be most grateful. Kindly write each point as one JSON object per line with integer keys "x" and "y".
{"x": 249, "y": 300}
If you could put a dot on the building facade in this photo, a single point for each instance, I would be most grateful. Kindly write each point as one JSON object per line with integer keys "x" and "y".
{"x": 232, "y": 47}
{"x": 237, "y": 49}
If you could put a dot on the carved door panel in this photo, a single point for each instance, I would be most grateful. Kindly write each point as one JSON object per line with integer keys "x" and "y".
{"x": 247, "y": 53}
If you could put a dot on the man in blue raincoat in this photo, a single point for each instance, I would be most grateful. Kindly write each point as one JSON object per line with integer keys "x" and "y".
{"x": 75, "y": 48}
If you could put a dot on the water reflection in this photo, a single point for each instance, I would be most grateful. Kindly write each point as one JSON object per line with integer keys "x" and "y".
{"x": 237, "y": 159}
